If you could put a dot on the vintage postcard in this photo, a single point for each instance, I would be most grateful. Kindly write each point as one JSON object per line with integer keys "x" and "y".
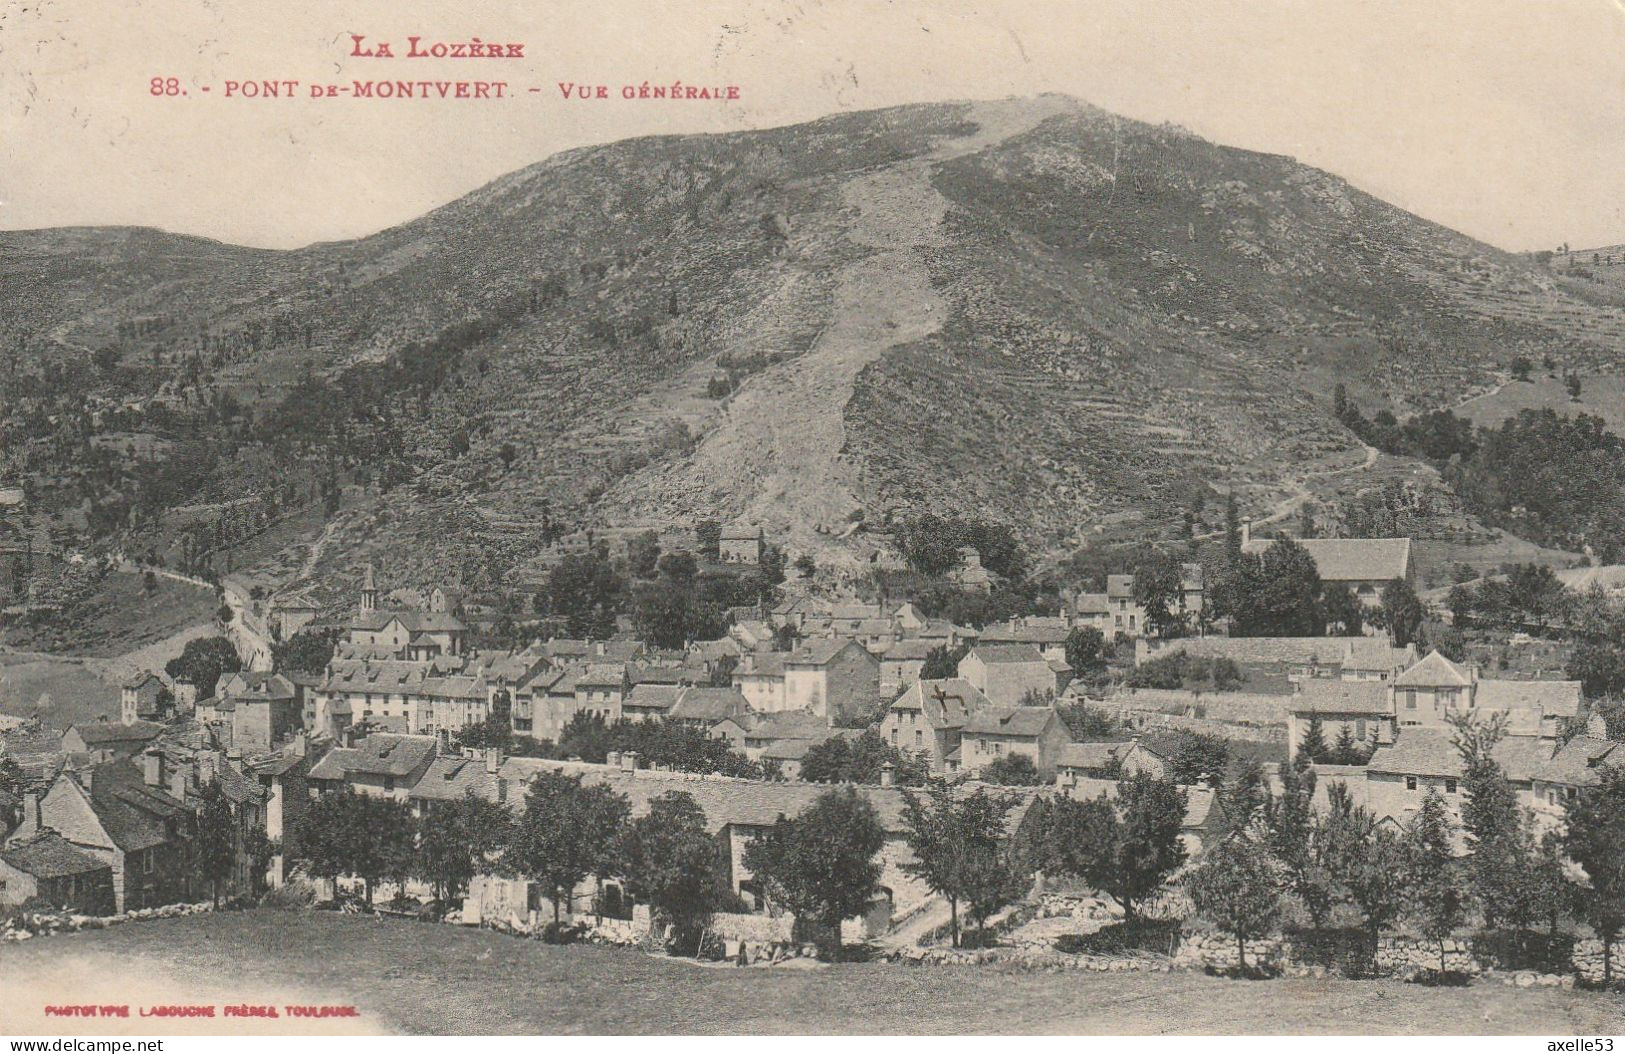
{"x": 739, "y": 517}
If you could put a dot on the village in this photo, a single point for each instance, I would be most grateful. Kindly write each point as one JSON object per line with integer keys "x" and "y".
{"x": 615, "y": 790}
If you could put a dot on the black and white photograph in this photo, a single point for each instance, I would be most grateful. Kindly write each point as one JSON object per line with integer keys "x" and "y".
{"x": 812, "y": 517}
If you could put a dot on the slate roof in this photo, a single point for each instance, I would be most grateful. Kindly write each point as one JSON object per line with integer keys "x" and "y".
{"x": 1023, "y": 721}
{"x": 911, "y": 649}
{"x": 257, "y": 686}
{"x": 740, "y": 533}
{"x": 1089, "y": 755}
{"x": 785, "y": 724}
{"x": 1092, "y": 604}
{"x": 133, "y": 814}
{"x": 946, "y": 703}
{"x": 726, "y": 801}
{"x": 1352, "y": 559}
{"x": 49, "y": 855}
{"x": 1008, "y": 653}
{"x": 1341, "y": 697}
{"x": 1433, "y": 671}
{"x": 140, "y": 679}
{"x": 762, "y": 664}
{"x": 647, "y": 696}
{"x": 412, "y": 621}
{"x": 98, "y": 733}
{"x": 1575, "y": 763}
{"x": 1120, "y": 586}
{"x": 383, "y": 754}
{"x": 817, "y": 652}
{"x": 708, "y": 705}
{"x": 1201, "y": 805}
{"x": 1029, "y": 632}
{"x": 450, "y": 778}
{"x": 1432, "y": 752}
{"x": 602, "y": 675}
{"x": 1557, "y": 698}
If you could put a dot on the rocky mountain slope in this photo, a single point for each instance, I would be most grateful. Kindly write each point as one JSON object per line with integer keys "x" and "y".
{"x": 1030, "y": 310}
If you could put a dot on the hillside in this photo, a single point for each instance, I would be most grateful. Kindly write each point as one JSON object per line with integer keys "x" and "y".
{"x": 1032, "y": 310}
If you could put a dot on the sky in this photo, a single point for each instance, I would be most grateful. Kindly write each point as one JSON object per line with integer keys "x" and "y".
{"x": 1504, "y": 119}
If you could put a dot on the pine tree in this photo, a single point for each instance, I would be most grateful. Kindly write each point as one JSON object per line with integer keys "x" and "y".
{"x": 1298, "y": 838}
{"x": 1438, "y": 903}
{"x": 1312, "y": 747}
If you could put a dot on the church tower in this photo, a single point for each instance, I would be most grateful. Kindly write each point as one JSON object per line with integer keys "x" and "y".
{"x": 369, "y": 592}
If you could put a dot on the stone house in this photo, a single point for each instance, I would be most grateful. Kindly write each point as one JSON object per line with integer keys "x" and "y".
{"x": 109, "y": 739}
{"x": 1048, "y": 635}
{"x": 1363, "y": 565}
{"x": 265, "y": 709}
{"x": 1007, "y": 673}
{"x": 47, "y": 869}
{"x": 900, "y": 664}
{"x": 1361, "y": 707}
{"x": 1037, "y": 732}
{"x": 741, "y": 544}
{"x": 929, "y": 718}
{"x": 141, "y": 698}
{"x": 1110, "y": 760}
{"x": 832, "y": 677}
{"x": 121, "y": 814}
{"x": 382, "y": 764}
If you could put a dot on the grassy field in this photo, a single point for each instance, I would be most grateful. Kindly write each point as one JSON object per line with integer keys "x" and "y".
{"x": 417, "y": 978}
{"x": 121, "y": 616}
{"x": 1601, "y": 394}
{"x": 74, "y": 691}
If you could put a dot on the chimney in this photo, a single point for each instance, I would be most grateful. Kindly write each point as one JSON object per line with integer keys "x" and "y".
{"x": 208, "y": 767}
{"x": 629, "y": 761}
{"x": 299, "y": 746}
{"x": 1246, "y": 529}
{"x": 152, "y": 769}
{"x": 443, "y": 741}
{"x": 493, "y": 759}
{"x": 888, "y": 772}
{"x": 502, "y": 790}
{"x": 613, "y": 759}
{"x": 38, "y": 798}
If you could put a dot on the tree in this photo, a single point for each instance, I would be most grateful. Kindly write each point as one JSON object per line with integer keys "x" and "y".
{"x": 1438, "y": 904}
{"x": 1276, "y": 593}
{"x": 1401, "y": 612}
{"x": 1520, "y": 368}
{"x": 822, "y": 864}
{"x": 214, "y": 843}
{"x": 1013, "y": 770}
{"x": 1085, "y": 650}
{"x": 1369, "y": 863}
{"x": 959, "y": 850}
{"x": 585, "y": 590}
{"x": 353, "y": 834}
{"x": 1498, "y": 842}
{"x": 1346, "y": 751}
{"x": 567, "y": 832}
{"x": 1572, "y": 383}
{"x": 308, "y": 651}
{"x": 1343, "y": 610}
{"x": 806, "y": 566}
{"x": 708, "y": 539}
{"x": 1236, "y": 887}
{"x": 678, "y": 565}
{"x": 942, "y": 663}
{"x": 1312, "y": 747}
{"x": 672, "y": 864}
{"x": 203, "y": 661}
{"x": 1158, "y": 587}
{"x": 1199, "y": 757}
{"x": 1595, "y": 840}
{"x": 643, "y": 554}
{"x": 1127, "y": 847}
{"x": 1298, "y": 838}
{"x": 457, "y": 839}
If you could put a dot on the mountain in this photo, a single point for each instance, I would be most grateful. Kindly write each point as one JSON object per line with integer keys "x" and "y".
{"x": 1028, "y": 310}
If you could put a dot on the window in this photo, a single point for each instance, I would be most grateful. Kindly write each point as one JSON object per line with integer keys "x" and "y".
{"x": 919, "y": 738}
{"x": 998, "y": 748}
{"x": 1450, "y": 786}
{"x": 389, "y": 783}
{"x": 1410, "y": 783}
{"x": 1410, "y": 700}
{"x": 1359, "y": 729}
{"x": 894, "y": 737}
{"x": 147, "y": 861}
